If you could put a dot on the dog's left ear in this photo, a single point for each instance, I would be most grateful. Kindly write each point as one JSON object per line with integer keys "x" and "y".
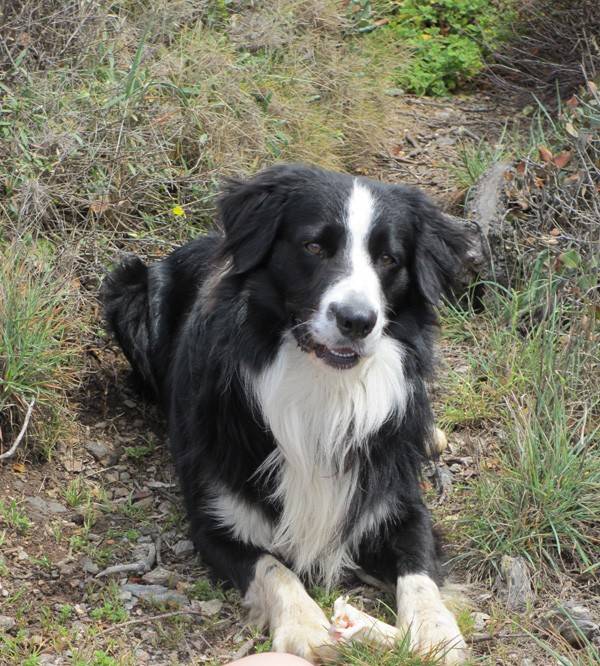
{"x": 440, "y": 248}
{"x": 250, "y": 213}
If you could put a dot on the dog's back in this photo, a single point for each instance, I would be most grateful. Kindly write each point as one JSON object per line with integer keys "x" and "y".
{"x": 145, "y": 306}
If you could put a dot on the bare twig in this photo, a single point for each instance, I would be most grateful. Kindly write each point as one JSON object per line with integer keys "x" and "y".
{"x": 145, "y": 620}
{"x": 11, "y": 452}
{"x": 131, "y": 567}
{"x": 482, "y": 638}
{"x": 140, "y": 567}
{"x": 158, "y": 547}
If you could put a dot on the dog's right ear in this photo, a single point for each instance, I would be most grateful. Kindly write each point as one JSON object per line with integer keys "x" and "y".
{"x": 251, "y": 213}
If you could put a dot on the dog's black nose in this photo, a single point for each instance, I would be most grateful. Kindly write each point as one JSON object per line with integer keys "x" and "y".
{"x": 354, "y": 322}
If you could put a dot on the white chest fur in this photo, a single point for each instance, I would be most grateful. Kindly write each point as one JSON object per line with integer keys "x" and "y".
{"x": 318, "y": 415}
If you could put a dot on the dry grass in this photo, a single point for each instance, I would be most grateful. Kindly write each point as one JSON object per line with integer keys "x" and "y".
{"x": 553, "y": 50}
{"x": 143, "y": 107}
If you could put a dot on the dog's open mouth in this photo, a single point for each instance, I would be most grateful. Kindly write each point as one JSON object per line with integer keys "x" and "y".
{"x": 340, "y": 358}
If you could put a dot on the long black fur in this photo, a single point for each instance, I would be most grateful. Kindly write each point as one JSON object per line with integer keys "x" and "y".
{"x": 189, "y": 322}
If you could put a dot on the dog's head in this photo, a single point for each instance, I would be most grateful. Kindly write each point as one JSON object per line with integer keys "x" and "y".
{"x": 344, "y": 256}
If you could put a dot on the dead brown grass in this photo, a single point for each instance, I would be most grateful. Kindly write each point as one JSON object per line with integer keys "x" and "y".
{"x": 115, "y": 116}
{"x": 553, "y": 49}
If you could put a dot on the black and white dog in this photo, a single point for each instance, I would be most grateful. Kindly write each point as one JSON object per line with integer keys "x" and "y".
{"x": 290, "y": 353}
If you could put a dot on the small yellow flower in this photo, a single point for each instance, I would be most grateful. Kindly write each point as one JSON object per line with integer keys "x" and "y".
{"x": 425, "y": 36}
{"x": 178, "y": 211}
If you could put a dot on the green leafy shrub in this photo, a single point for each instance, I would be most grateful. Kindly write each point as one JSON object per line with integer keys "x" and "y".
{"x": 448, "y": 38}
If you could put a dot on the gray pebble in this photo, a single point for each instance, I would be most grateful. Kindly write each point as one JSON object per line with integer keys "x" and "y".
{"x": 160, "y": 576}
{"x": 6, "y": 622}
{"x": 183, "y": 547}
{"x": 98, "y": 450}
{"x": 45, "y": 507}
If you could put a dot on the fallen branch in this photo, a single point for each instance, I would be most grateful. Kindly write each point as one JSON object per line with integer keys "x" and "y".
{"x": 11, "y": 452}
{"x": 482, "y": 638}
{"x": 145, "y": 620}
{"x": 139, "y": 567}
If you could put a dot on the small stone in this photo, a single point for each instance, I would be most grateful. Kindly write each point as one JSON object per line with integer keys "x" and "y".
{"x": 67, "y": 568}
{"x": 89, "y": 566}
{"x": 125, "y": 476}
{"x": 130, "y": 403}
{"x": 479, "y": 621}
{"x": 211, "y": 607}
{"x": 142, "y": 657}
{"x": 6, "y": 622}
{"x": 98, "y": 450}
{"x": 573, "y": 622}
{"x": 183, "y": 547}
{"x": 144, "y": 503}
{"x": 515, "y": 585}
{"x": 120, "y": 492}
{"x": 44, "y": 507}
{"x": 160, "y": 576}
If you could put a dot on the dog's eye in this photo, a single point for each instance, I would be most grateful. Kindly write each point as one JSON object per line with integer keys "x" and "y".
{"x": 387, "y": 260}
{"x": 315, "y": 248}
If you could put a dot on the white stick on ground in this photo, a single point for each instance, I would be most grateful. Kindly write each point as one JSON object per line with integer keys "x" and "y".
{"x": 11, "y": 452}
{"x": 350, "y": 624}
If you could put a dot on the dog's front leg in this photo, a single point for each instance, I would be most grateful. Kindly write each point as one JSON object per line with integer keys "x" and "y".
{"x": 277, "y": 599}
{"x": 432, "y": 627}
{"x": 421, "y": 612}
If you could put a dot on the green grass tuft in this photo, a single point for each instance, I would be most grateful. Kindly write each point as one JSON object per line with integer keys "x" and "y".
{"x": 365, "y": 654}
{"x": 12, "y": 516}
{"x": 534, "y": 378}
{"x": 38, "y": 351}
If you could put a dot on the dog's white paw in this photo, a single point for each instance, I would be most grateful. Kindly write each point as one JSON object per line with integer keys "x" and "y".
{"x": 308, "y": 638}
{"x": 435, "y": 632}
{"x": 432, "y": 627}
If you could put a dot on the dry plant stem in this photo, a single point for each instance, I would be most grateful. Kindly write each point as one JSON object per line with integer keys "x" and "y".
{"x": 482, "y": 638}
{"x": 145, "y": 620}
{"x": 140, "y": 567}
{"x": 11, "y": 452}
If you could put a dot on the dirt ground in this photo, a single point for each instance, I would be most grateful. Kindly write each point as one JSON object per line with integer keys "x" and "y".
{"x": 109, "y": 496}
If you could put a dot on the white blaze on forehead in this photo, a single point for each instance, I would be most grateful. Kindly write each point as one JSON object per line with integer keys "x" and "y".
{"x": 361, "y": 281}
